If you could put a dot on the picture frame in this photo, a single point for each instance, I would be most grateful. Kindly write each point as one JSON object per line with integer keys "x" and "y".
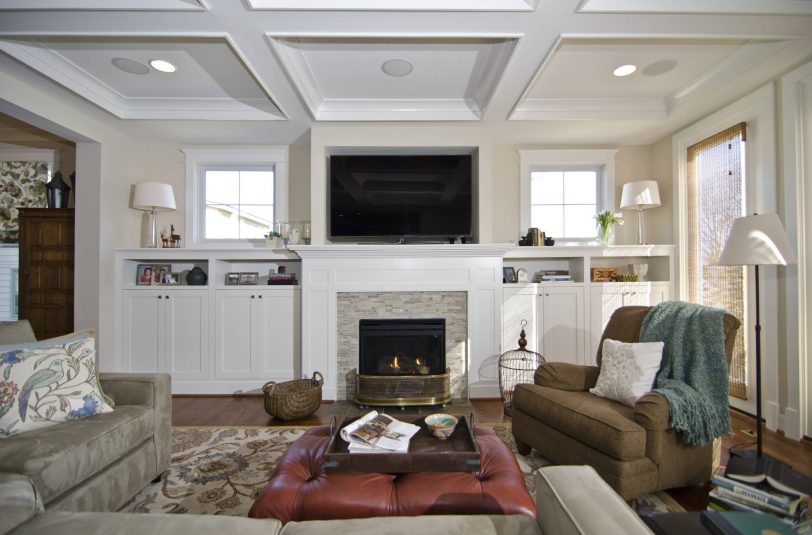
{"x": 172, "y": 279}
{"x": 143, "y": 275}
{"x": 603, "y": 274}
{"x": 509, "y": 274}
{"x": 160, "y": 272}
{"x": 249, "y": 278}
{"x": 232, "y": 278}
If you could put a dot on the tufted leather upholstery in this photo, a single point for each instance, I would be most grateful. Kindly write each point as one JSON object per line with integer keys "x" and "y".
{"x": 300, "y": 489}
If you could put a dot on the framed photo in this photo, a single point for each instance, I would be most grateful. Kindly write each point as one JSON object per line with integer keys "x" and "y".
{"x": 172, "y": 279}
{"x": 160, "y": 273}
{"x": 604, "y": 274}
{"x": 509, "y": 274}
{"x": 232, "y": 279}
{"x": 143, "y": 275}
{"x": 249, "y": 278}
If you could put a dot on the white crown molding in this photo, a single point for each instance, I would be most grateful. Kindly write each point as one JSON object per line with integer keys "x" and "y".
{"x": 467, "y": 108}
{"x": 749, "y": 7}
{"x": 61, "y": 70}
{"x": 590, "y": 108}
{"x": 395, "y": 5}
{"x": 103, "y": 5}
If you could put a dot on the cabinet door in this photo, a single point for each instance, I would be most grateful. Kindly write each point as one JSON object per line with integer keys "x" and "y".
{"x": 562, "y": 335}
{"x": 278, "y": 333}
{"x": 519, "y": 304}
{"x": 603, "y": 303}
{"x": 187, "y": 327}
{"x": 143, "y": 331}
{"x": 235, "y": 335}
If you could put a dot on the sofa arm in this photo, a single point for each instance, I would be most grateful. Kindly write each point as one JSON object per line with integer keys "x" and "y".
{"x": 651, "y": 411}
{"x": 19, "y": 501}
{"x": 574, "y": 500}
{"x": 153, "y": 390}
{"x": 564, "y": 376}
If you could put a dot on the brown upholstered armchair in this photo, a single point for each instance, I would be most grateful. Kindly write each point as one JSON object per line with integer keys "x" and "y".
{"x": 632, "y": 448}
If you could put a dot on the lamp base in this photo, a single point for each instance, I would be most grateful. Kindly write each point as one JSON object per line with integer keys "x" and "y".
{"x": 748, "y": 464}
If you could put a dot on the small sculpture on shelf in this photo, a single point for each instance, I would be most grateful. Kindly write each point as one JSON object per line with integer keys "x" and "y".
{"x": 174, "y": 239}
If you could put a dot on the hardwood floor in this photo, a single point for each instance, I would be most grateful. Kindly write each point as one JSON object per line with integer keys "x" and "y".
{"x": 249, "y": 410}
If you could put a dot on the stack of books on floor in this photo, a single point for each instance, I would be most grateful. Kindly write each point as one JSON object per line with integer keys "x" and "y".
{"x": 552, "y": 275}
{"x": 761, "y": 494}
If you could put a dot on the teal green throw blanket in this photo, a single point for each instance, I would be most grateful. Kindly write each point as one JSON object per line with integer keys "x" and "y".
{"x": 693, "y": 374}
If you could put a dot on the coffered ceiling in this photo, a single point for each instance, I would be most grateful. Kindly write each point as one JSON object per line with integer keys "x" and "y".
{"x": 522, "y": 62}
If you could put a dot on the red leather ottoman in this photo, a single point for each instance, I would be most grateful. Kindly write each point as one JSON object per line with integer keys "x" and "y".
{"x": 300, "y": 489}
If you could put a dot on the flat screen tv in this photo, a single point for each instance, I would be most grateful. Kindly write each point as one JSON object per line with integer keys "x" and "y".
{"x": 401, "y": 196}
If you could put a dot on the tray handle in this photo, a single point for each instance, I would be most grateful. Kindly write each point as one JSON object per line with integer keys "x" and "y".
{"x": 320, "y": 380}
{"x": 473, "y": 424}
{"x": 333, "y": 423}
{"x": 269, "y": 387}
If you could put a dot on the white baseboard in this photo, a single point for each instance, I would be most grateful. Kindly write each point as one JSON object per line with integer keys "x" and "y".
{"x": 772, "y": 416}
{"x": 483, "y": 390}
{"x": 792, "y": 424}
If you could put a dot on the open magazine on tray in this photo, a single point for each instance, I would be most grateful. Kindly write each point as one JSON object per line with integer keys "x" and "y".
{"x": 378, "y": 433}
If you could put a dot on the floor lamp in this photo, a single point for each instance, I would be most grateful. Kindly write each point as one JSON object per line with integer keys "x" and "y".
{"x": 760, "y": 240}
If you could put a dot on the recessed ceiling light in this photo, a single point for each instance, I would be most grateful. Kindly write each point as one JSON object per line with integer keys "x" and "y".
{"x": 625, "y": 70}
{"x": 162, "y": 65}
{"x": 129, "y": 65}
{"x": 396, "y": 67}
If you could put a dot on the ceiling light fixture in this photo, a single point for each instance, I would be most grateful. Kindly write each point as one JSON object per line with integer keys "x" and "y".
{"x": 129, "y": 65}
{"x": 625, "y": 70}
{"x": 396, "y": 67}
{"x": 162, "y": 65}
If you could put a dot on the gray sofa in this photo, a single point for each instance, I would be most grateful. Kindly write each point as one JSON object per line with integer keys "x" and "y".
{"x": 570, "y": 500}
{"x": 99, "y": 462}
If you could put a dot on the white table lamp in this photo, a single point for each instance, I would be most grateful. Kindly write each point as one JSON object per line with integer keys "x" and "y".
{"x": 153, "y": 197}
{"x": 640, "y": 195}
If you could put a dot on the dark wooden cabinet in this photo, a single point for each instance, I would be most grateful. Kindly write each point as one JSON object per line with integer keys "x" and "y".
{"x": 46, "y": 270}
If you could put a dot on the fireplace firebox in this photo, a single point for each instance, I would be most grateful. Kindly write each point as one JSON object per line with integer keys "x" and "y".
{"x": 402, "y": 363}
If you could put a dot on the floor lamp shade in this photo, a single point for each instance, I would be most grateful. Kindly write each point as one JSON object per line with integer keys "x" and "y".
{"x": 153, "y": 197}
{"x": 640, "y": 195}
{"x": 757, "y": 240}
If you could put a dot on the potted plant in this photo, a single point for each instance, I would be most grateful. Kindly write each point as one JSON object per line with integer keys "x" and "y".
{"x": 273, "y": 239}
{"x": 606, "y": 221}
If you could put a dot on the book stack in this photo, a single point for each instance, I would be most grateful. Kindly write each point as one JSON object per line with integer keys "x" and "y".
{"x": 553, "y": 275}
{"x": 760, "y": 494}
{"x": 282, "y": 278}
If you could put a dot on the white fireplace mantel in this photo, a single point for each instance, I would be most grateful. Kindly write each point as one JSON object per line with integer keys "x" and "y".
{"x": 328, "y": 270}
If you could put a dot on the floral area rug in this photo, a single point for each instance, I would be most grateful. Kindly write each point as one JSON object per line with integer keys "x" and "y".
{"x": 222, "y": 470}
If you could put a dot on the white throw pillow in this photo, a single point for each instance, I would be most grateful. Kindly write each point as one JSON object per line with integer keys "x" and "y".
{"x": 627, "y": 370}
{"x": 49, "y": 382}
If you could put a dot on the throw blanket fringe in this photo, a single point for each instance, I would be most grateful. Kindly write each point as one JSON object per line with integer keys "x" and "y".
{"x": 693, "y": 375}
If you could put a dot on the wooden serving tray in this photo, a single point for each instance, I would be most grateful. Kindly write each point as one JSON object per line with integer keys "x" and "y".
{"x": 458, "y": 453}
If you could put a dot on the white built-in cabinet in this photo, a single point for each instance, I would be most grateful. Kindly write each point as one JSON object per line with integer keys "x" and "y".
{"x": 166, "y": 330}
{"x": 213, "y": 338}
{"x": 565, "y": 320}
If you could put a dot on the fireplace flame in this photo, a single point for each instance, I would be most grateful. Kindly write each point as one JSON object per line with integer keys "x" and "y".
{"x": 395, "y": 363}
{"x": 418, "y": 361}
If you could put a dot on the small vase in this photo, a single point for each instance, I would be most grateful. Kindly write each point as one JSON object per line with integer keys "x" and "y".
{"x": 606, "y": 235}
{"x": 273, "y": 243}
{"x": 196, "y": 277}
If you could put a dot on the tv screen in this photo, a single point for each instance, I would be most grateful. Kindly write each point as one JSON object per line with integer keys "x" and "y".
{"x": 385, "y": 196}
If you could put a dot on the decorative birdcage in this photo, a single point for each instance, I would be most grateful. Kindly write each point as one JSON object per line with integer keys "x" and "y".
{"x": 515, "y": 367}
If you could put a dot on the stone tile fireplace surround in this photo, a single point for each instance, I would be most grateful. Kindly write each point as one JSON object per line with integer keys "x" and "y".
{"x": 342, "y": 284}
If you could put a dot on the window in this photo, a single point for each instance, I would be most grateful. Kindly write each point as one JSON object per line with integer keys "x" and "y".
{"x": 563, "y": 201}
{"x": 562, "y": 190}
{"x": 716, "y": 196}
{"x": 234, "y": 195}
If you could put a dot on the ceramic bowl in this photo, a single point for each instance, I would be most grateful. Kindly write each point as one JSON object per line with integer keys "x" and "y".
{"x": 441, "y": 425}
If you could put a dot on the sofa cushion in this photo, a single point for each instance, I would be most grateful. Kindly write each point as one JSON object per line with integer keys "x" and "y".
{"x": 141, "y": 524}
{"x": 605, "y": 425}
{"x": 59, "y": 457}
{"x": 424, "y": 525}
{"x": 48, "y": 382}
{"x": 19, "y": 501}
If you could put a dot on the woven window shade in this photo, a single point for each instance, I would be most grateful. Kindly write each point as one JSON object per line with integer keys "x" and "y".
{"x": 715, "y": 199}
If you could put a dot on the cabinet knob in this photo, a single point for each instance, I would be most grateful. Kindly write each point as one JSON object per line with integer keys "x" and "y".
{"x": 160, "y": 297}
{"x": 167, "y": 297}
{"x": 253, "y": 296}
{"x": 260, "y": 297}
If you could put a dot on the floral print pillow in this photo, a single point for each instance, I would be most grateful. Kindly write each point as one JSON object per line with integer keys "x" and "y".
{"x": 49, "y": 382}
{"x": 628, "y": 370}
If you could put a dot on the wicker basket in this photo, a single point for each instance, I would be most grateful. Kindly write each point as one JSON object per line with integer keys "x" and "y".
{"x": 295, "y": 399}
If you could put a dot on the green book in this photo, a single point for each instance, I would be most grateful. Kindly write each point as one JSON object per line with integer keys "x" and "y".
{"x": 739, "y": 523}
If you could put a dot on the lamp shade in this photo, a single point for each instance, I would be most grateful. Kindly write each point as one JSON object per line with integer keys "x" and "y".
{"x": 643, "y": 194}
{"x": 153, "y": 196}
{"x": 757, "y": 240}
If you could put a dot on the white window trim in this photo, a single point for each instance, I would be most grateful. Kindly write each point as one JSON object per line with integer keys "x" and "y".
{"x": 758, "y": 111}
{"x": 198, "y": 159}
{"x": 601, "y": 158}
